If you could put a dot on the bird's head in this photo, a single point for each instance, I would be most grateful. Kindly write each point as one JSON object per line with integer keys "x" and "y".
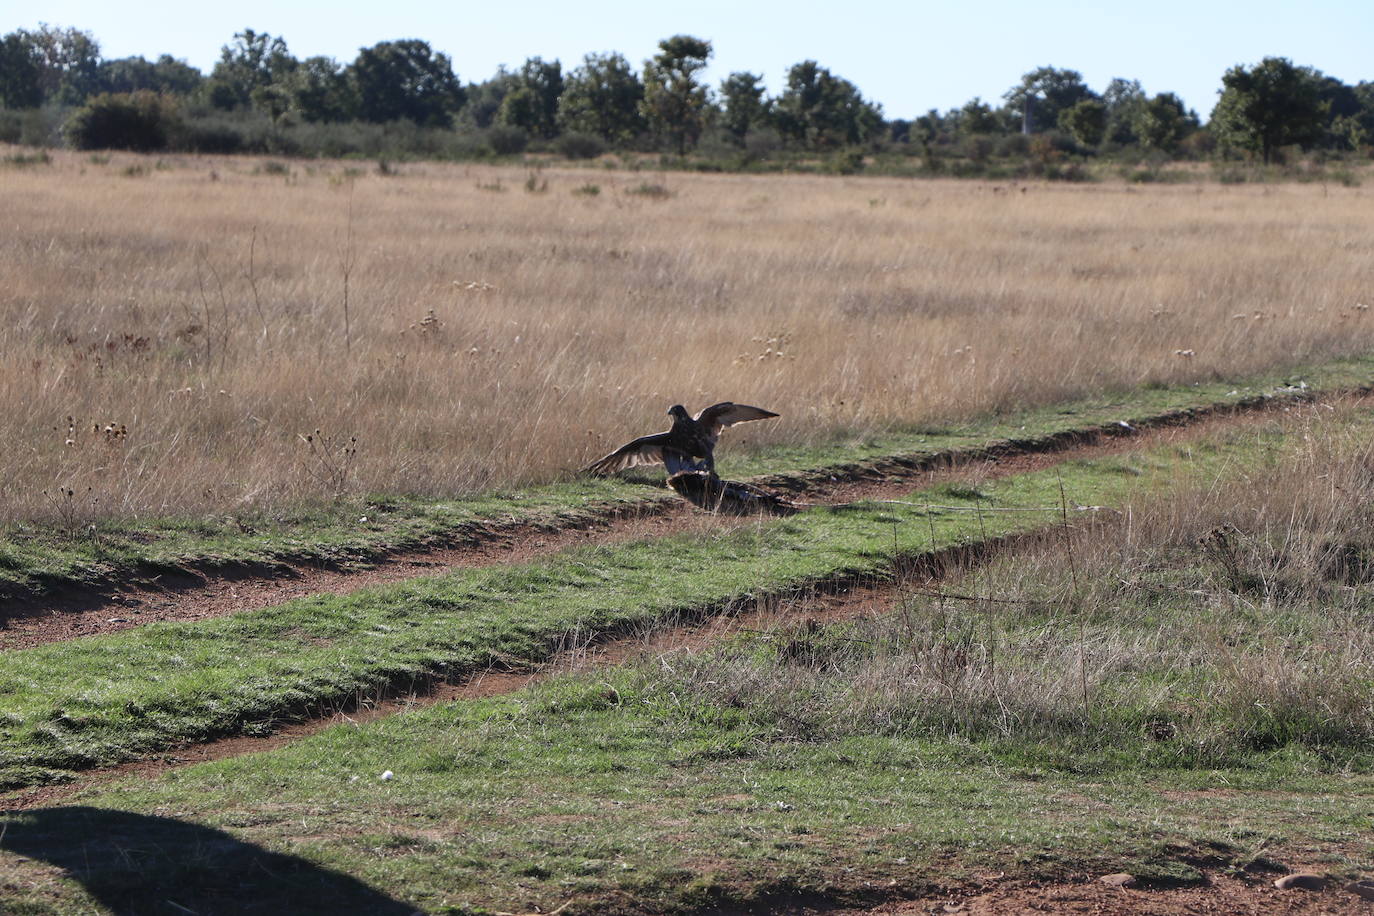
{"x": 678, "y": 411}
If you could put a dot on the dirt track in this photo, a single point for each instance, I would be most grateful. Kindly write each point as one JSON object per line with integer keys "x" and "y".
{"x": 217, "y": 597}
{"x": 86, "y": 612}
{"x": 990, "y": 894}
{"x": 1223, "y": 894}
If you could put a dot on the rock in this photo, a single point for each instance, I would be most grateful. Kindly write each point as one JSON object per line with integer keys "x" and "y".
{"x": 1363, "y": 889}
{"x": 1120, "y": 879}
{"x": 1304, "y": 880}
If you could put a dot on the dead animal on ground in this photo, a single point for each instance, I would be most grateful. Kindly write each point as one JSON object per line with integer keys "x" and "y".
{"x": 730, "y": 497}
{"x": 689, "y": 445}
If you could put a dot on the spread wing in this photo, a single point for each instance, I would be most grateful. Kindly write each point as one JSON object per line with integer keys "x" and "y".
{"x": 644, "y": 450}
{"x": 727, "y": 413}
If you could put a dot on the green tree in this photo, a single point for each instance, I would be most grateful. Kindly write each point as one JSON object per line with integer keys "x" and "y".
{"x": 19, "y": 72}
{"x": 744, "y": 108}
{"x": 1085, "y": 121}
{"x": 602, "y": 98}
{"x": 1354, "y": 130}
{"x": 1123, "y": 99}
{"x": 319, "y": 90}
{"x": 532, "y": 101}
{"x": 929, "y": 129}
{"x": 1341, "y": 109}
{"x": 978, "y": 118}
{"x": 484, "y": 99}
{"x": 520, "y": 109}
{"x": 1268, "y": 106}
{"x": 1043, "y": 94}
{"x": 819, "y": 110}
{"x": 406, "y": 79}
{"x": 255, "y": 62}
{"x": 68, "y": 63}
{"x": 674, "y": 103}
{"x": 1162, "y": 122}
{"x": 1364, "y": 117}
{"x": 136, "y": 74}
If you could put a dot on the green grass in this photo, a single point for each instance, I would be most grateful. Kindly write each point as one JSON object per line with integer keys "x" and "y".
{"x": 37, "y": 560}
{"x": 801, "y": 764}
{"x": 592, "y": 790}
{"x": 34, "y": 561}
{"x": 151, "y": 687}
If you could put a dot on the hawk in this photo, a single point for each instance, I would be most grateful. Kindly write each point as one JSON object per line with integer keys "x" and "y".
{"x": 688, "y": 446}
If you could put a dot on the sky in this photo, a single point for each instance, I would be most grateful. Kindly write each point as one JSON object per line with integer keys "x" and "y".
{"x": 909, "y": 57}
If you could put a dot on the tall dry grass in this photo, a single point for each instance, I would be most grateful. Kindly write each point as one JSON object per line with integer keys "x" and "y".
{"x": 502, "y": 336}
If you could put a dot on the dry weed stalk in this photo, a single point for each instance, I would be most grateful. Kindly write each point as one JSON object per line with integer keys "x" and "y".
{"x": 331, "y": 461}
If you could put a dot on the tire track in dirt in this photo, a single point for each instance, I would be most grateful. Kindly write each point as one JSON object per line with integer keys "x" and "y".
{"x": 1244, "y": 892}
{"x": 80, "y": 612}
{"x": 844, "y": 598}
{"x": 821, "y": 603}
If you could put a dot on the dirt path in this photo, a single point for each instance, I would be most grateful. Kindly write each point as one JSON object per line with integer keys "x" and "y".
{"x": 990, "y": 894}
{"x": 1232, "y": 895}
{"x": 79, "y": 613}
{"x": 847, "y": 602}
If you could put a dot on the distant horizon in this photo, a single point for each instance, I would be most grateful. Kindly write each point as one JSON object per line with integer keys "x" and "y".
{"x": 904, "y": 57}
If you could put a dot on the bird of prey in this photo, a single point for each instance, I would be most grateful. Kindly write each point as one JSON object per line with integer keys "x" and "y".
{"x": 689, "y": 445}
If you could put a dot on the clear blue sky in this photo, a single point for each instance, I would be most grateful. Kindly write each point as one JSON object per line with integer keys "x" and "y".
{"x": 909, "y": 57}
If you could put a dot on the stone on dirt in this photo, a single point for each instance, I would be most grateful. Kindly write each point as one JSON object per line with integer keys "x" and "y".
{"x": 1363, "y": 889}
{"x": 1304, "y": 880}
{"x": 1120, "y": 879}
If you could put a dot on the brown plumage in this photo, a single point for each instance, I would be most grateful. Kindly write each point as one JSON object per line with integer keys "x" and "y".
{"x": 728, "y": 497}
{"x": 688, "y": 446}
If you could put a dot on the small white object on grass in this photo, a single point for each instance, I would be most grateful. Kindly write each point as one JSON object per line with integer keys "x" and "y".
{"x": 387, "y": 775}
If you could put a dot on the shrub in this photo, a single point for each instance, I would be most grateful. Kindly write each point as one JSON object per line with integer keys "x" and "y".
{"x": 32, "y": 126}
{"x": 651, "y": 191}
{"x": 507, "y": 141}
{"x": 760, "y": 144}
{"x": 11, "y": 127}
{"x": 210, "y": 135}
{"x": 580, "y": 146}
{"x": 139, "y": 121}
{"x": 1013, "y": 145}
{"x": 978, "y": 148}
{"x": 849, "y": 161}
{"x": 22, "y": 160}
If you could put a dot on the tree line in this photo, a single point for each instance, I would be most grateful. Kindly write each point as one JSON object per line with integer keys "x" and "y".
{"x": 608, "y": 103}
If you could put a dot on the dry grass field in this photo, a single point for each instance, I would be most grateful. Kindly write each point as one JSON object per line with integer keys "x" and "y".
{"x": 449, "y": 328}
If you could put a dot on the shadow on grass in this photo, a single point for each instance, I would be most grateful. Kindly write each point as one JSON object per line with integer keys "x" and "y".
{"x": 137, "y": 863}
